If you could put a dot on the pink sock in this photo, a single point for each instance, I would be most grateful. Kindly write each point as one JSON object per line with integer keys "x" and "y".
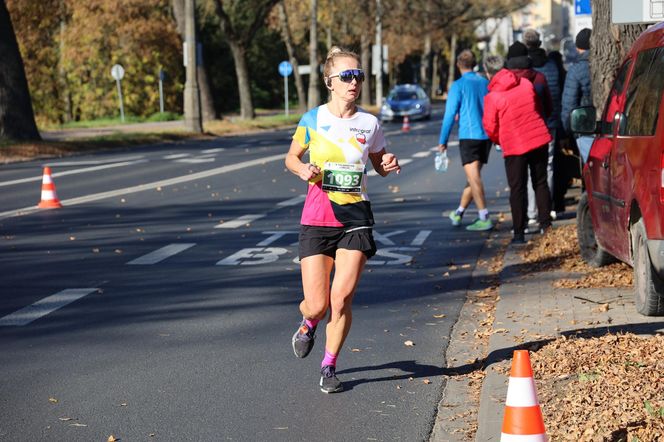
{"x": 311, "y": 323}
{"x": 329, "y": 359}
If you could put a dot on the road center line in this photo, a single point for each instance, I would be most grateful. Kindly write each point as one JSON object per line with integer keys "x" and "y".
{"x": 241, "y": 221}
{"x": 44, "y": 306}
{"x": 161, "y": 254}
{"x": 149, "y": 186}
{"x": 73, "y": 172}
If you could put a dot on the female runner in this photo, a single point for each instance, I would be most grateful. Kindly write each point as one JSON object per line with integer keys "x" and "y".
{"x": 336, "y": 223}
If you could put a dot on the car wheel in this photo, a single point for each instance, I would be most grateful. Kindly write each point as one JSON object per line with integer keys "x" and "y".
{"x": 648, "y": 287}
{"x": 591, "y": 251}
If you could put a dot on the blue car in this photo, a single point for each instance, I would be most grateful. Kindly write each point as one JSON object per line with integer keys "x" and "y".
{"x": 406, "y": 100}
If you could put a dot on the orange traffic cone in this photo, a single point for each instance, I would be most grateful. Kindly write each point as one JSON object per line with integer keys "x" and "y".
{"x": 406, "y": 124}
{"x": 49, "y": 200}
{"x": 523, "y": 420}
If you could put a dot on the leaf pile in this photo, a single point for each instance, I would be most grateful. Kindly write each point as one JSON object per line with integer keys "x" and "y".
{"x": 602, "y": 389}
{"x": 558, "y": 249}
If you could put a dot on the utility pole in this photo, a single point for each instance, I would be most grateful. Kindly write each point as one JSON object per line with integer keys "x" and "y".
{"x": 379, "y": 43}
{"x": 192, "y": 98}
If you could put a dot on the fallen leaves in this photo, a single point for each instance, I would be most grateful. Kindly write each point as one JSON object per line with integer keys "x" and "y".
{"x": 558, "y": 249}
{"x": 602, "y": 389}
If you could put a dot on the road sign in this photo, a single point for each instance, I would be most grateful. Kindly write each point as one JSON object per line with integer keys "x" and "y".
{"x": 582, "y": 7}
{"x": 641, "y": 11}
{"x": 285, "y": 68}
{"x": 117, "y": 72}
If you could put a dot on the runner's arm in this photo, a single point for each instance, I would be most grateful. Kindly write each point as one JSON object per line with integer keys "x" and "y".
{"x": 305, "y": 171}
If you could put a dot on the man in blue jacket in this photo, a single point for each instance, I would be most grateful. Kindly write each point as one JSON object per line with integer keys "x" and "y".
{"x": 465, "y": 99}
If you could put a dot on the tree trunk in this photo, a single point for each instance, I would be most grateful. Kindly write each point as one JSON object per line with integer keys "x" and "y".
{"x": 434, "y": 76}
{"x": 207, "y": 99}
{"x": 314, "y": 94}
{"x": 450, "y": 75}
{"x": 288, "y": 41}
{"x": 608, "y": 46}
{"x": 425, "y": 63}
{"x": 17, "y": 119}
{"x": 240, "y": 59}
{"x": 365, "y": 57}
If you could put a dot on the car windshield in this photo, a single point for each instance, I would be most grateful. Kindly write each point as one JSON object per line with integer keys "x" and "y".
{"x": 402, "y": 95}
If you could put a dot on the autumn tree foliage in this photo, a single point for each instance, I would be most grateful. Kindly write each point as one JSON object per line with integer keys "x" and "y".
{"x": 69, "y": 54}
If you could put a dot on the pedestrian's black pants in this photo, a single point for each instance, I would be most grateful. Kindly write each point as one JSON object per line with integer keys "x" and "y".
{"x": 516, "y": 168}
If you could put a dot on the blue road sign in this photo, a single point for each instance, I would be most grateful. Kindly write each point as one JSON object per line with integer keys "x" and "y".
{"x": 285, "y": 68}
{"x": 582, "y": 7}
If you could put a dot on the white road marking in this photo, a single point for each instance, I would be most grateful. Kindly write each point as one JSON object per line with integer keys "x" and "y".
{"x": 196, "y": 160}
{"x": 93, "y": 162}
{"x": 149, "y": 186}
{"x": 73, "y": 172}
{"x": 216, "y": 150}
{"x": 161, "y": 254}
{"x": 292, "y": 202}
{"x": 44, "y": 306}
{"x": 176, "y": 155}
{"x": 421, "y": 237}
{"x": 423, "y": 154}
{"x": 239, "y": 222}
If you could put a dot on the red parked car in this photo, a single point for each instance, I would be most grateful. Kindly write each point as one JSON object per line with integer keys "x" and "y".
{"x": 621, "y": 214}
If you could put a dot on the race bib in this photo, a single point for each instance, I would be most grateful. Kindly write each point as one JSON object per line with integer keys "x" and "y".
{"x": 342, "y": 177}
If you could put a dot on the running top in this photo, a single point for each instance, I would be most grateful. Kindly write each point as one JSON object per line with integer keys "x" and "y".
{"x": 340, "y": 147}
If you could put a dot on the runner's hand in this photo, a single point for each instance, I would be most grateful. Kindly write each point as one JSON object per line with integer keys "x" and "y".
{"x": 308, "y": 171}
{"x": 442, "y": 148}
{"x": 390, "y": 163}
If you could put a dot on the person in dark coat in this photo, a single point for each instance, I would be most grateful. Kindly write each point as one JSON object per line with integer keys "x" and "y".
{"x": 577, "y": 91}
{"x": 513, "y": 120}
{"x": 541, "y": 63}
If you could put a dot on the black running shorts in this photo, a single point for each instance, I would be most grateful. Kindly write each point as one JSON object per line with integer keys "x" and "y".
{"x": 316, "y": 240}
{"x": 474, "y": 150}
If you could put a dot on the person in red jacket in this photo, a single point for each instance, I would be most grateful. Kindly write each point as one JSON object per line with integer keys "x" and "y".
{"x": 512, "y": 119}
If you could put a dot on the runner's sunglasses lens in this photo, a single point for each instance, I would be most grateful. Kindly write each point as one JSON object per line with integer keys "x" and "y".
{"x": 347, "y": 76}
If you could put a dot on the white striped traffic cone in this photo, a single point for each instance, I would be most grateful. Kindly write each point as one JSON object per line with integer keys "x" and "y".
{"x": 49, "y": 200}
{"x": 523, "y": 420}
{"x": 406, "y": 124}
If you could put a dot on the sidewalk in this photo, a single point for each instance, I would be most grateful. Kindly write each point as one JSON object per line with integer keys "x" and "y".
{"x": 529, "y": 301}
{"x": 529, "y": 310}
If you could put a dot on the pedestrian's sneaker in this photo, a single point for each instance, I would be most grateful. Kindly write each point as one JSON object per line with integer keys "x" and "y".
{"x": 303, "y": 340}
{"x": 329, "y": 383}
{"x": 455, "y": 218}
{"x": 533, "y": 226}
{"x": 518, "y": 239}
{"x": 480, "y": 225}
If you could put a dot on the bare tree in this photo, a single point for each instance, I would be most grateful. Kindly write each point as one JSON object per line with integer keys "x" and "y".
{"x": 17, "y": 119}
{"x": 608, "y": 46}
{"x": 239, "y": 21}
{"x": 288, "y": 41}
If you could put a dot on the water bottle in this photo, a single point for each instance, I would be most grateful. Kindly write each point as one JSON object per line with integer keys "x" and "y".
{"x": 441, "y": 162}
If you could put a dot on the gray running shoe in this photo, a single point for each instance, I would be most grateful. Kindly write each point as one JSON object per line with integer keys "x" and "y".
{"x": 329, "y": 383}
{"x": 303, "y": 340}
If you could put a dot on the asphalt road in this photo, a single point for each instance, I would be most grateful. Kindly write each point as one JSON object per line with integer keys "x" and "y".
{"x": 160, "y": 301}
